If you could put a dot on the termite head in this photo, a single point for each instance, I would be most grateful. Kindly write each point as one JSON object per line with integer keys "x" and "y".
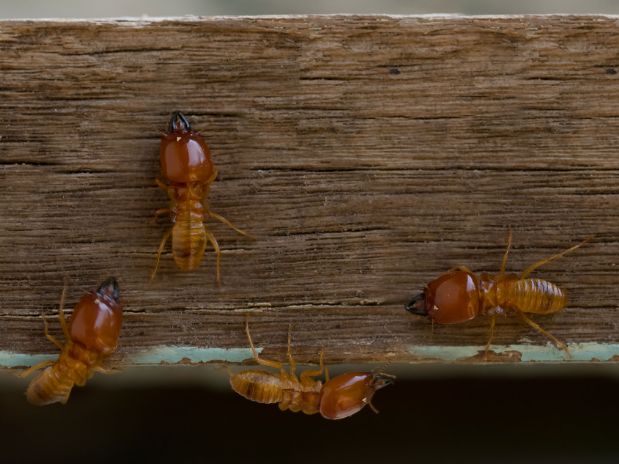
{"x": 450, "y": 299}
{"x": 183, "y": 153}
{"x": 347, "y": 394}
{"x": 97, "y": 318}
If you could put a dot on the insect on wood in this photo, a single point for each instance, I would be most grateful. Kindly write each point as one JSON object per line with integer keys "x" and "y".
{"x": 188, "y": 172}
{"x": 90, "y": 336}
{"x": 338, "y": 398}
{"x": 460, "y": 295}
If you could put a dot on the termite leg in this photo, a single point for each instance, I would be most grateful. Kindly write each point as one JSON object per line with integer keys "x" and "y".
{"x": 223, "y": 220}
{"x": 219, "y": 217}
{"x": 207, "y": 186}
{"x": 558, "y": 343}
{"x": 105, "y": 370}
{"x": 259, "y": 360}
{"x": 63, "y": 322}
{"x": 211, "y": 238}
{"x": 491, "y": 336}
{"x": 161, "y": 185}
{"x": 36, "y": 367}
{"x": 506, "y": 254}
{"x": 306, "y": 376}
{"x": 291, "y": 361}
{"x": 50, "y": 337}
{"x": 165, "y": 187}
{"x": 166, "y": 235}
{"x": 161, "y": 212}
{"x": 541, "y": 262}
{"x": 211, "y": 179}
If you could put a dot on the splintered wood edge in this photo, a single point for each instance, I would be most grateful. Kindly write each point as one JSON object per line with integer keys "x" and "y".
{"x": 192, "y": 18}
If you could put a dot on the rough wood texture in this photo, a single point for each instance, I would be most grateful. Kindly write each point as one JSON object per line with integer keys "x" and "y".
{"x": 366, "y": 154}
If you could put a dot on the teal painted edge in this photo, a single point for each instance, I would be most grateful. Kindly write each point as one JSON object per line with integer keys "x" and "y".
{"x": 155, "y": 355}
{"x": 10, "y": 359}
{"x": 176, "y": 354}
{"x": 579, "y": 352}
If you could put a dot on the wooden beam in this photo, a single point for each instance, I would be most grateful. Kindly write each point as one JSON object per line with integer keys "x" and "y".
{"x": 366, "y": 154}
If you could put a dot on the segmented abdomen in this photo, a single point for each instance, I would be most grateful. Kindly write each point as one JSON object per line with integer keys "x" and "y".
{"x": 188, "y": 235}
{"x": 265, "y": 387}
{"x": 54, "y": 384}
{"x": 259, "y": 386}
{"x": 534, "y": 296}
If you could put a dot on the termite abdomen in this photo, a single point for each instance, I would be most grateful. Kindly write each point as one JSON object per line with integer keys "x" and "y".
{"x": 535, "y": 296}
{"x": 259, "y": 386}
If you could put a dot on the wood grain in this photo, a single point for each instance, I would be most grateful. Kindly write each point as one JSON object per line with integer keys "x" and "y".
{"x": 366, "y": 154}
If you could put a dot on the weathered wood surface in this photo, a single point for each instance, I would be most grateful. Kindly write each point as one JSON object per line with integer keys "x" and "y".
{"x": 366, "y": 154}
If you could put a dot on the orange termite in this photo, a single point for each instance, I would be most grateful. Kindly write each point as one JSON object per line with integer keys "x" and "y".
{"x": 90, "y": 336}
{"x": 460, "y": 295}
{"x": 188, "y": 172}
{"x": 338, "y": 398}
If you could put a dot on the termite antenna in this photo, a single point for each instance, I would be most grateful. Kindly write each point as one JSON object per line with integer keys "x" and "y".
{"x": 417, "y": 305}
{"x": 372, "y": 407}
{"x": 178, "y": 123}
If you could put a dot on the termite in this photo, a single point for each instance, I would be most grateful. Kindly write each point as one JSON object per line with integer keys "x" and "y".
{"x": 338, "y": 398}
{"x": 188, "y": 172}
{"x": 460, "y": 295}
{"x": 91, "y": 335}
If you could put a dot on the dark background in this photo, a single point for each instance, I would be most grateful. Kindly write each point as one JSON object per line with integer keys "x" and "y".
{"x": 461, "y": 414}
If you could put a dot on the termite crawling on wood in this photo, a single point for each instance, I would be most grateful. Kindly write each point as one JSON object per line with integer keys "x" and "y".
{"x": 337, "y": 398}
{"x": 91, "y": 335}
{"x": 188, "y": 172}
{"x": 460, "y": 295}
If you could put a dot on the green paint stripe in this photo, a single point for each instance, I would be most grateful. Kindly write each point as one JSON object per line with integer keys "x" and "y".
{"x": 175, "y": 354}
{"x": 580, "y": 352}
{"x": 530, "y": 353}
{"x": 10, "y": 359}
{"x": 155, "y": 355}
